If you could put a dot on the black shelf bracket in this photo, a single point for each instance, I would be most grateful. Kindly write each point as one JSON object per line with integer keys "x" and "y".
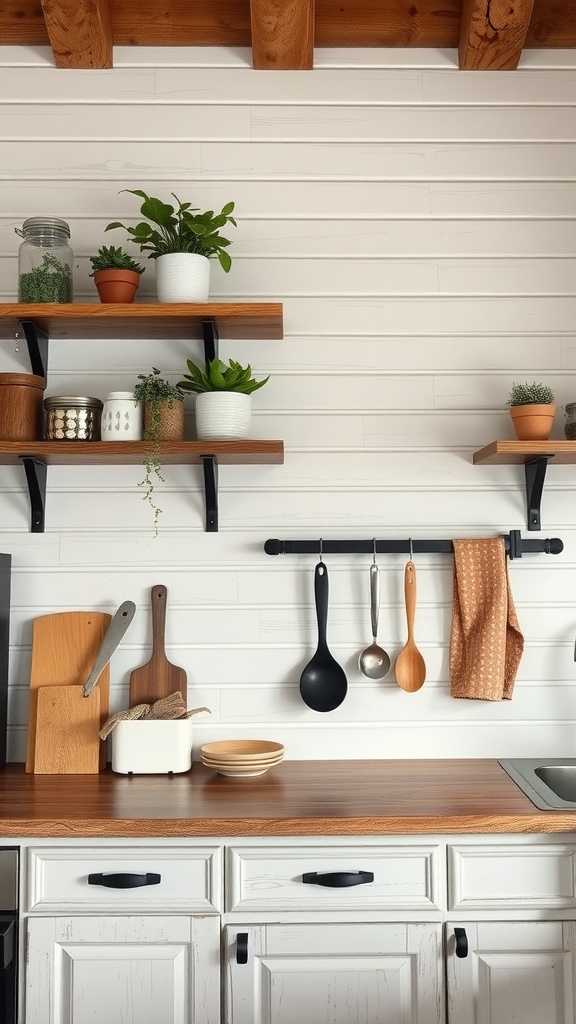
{"x": 535, "y": 474}
{"x": 210, "y": 336}
{"x": 515, "y": 546}
{"x": 210, "y": 464}
{"x": 37, "y": 342}
{"x": 36, "y": 479}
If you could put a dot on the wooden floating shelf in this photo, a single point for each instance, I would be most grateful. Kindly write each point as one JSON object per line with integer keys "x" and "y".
{"x": 534, "y": 456}
{"x": 518, "y": 453}
{"x": 242, "y": 321}
{"x": 125, "y": 453}
{"x": 40, "y": 323}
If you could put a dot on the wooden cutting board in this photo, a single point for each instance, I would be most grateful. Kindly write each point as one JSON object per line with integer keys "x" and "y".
{"x": 64, "y": 648}
{"x": 158, "y": 677}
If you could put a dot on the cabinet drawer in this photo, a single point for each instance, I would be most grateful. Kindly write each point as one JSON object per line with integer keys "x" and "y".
{"x": 504, "y": 876}
{"x": 190, "y": 879}
{"x": 405, "y": 877}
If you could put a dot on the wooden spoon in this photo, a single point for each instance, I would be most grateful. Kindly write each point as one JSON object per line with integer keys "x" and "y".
{"x": 410, "y": 666}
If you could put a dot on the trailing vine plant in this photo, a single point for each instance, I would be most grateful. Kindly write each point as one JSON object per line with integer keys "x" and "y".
{"x": 154, "y": 392}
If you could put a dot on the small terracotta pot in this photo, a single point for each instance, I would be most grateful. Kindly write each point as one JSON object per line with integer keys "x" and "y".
{"x": 21, "y": 412}
{"x": 532, "y": 422}
{"x": 116, "y": 285}
{"x": 170, "y": 425}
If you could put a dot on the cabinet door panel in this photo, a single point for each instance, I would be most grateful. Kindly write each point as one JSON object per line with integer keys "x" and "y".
{"x": 137, "y": 970}
{"x": 336, "y": 974}
{"x": 514, "y": 971}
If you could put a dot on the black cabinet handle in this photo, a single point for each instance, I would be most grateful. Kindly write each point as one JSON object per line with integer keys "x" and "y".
{"x": 242, "y": 948}
{"x": 461, "y": 942}
{"x": 124, "y": 879}
{"x": 338, "y": 879}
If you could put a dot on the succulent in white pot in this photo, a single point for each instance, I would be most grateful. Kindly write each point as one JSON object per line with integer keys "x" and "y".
{"x": 223, "y": 398}
{"x": 182, "y": 240}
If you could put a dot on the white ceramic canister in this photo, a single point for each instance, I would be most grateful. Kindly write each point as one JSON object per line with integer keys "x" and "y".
{"x": 121, "y": 417}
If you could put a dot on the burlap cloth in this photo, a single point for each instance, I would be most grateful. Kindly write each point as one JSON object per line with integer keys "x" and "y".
{"x": 485, "y": 639}
{"x": 173, "y": 706}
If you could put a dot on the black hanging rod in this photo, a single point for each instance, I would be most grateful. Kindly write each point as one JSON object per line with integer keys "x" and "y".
{"x": 514, "y": 544}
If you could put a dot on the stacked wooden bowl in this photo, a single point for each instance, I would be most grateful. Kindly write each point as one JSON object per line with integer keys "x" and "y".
{"x": 242, "y": 759}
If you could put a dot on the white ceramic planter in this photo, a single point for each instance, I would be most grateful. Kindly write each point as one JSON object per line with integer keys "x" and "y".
{"x": 152, "y": 748}
{"x": 223, "y": 416}
{"x": 182, "y": 277}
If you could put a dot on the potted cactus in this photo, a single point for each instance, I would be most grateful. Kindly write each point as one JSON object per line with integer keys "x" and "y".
{"x": 116, "y": 275}
{"x": 532, "y": 410}
{"x": 223, "y": 398}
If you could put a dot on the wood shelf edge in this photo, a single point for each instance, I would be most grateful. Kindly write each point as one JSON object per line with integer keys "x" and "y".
{"x": 509, "y": 453}
{"x": 106, "y": 453}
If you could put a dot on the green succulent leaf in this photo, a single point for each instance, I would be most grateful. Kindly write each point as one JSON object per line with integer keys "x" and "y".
{"x": 220, "y": 377}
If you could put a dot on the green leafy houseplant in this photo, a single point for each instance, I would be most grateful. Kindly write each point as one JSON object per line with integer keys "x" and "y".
{"x": 155, "y": 393}
{"x": 110, "y": 257}
{"x": 179, "y": 229}
{"x": 531, "y": 394}
{"x": 219, "y": 377}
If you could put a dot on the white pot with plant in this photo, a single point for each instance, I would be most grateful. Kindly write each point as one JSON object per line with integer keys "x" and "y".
{"x": 163, "y": 420}
{"x": 223, "y": 399}
{"x": 116, "y": 275}
{"x": 532, "y": 410}
{"x": 182, "y": 240}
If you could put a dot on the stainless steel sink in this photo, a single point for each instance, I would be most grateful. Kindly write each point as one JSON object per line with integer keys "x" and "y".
{"x": 549, "y": 782}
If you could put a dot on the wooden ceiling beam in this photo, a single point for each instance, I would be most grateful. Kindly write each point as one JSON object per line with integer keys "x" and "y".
{"x": 490, "y": 38}
{"x": 282, "y": 34}
{"x": 493, "y": 33}
{"x": 80, "y": 33}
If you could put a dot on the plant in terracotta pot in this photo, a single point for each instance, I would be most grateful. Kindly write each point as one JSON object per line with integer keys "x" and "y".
{"x": 182, "y": 240}
{"x": 223, "y": 398}
{"x": 532, "y": 410}
{"x": 116, "y": 275}
{"x": 163, "y": 420}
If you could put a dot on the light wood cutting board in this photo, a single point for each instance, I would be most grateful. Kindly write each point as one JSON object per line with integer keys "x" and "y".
{"x": 64, "y": 648}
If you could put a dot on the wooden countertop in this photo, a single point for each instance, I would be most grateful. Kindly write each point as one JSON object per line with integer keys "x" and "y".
{"x": 295, "y": 798}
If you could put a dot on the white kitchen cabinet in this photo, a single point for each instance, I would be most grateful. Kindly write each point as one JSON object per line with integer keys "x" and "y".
{"x": 514, "y": 972}
{"x": 298, "y": 943}
{"x": 131, "y": 969}
{"x": 330, "y": 973}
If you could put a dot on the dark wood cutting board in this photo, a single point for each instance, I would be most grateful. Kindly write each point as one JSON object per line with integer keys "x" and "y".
{"x": 158, "y": 677}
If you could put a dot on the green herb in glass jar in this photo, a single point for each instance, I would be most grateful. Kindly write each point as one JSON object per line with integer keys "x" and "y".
{"x": 50, "y": 282}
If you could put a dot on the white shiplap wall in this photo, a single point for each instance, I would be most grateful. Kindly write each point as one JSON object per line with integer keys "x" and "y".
{"x": 419, "y": 225}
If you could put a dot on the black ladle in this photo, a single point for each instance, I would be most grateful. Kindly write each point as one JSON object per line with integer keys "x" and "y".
{"x": 323, "y": 682}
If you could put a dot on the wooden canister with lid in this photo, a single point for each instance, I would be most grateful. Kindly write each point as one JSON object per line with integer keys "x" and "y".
{"x": 21, "y": 397}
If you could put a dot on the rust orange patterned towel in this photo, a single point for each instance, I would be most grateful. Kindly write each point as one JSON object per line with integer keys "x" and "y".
{"x": 485, "y": 639}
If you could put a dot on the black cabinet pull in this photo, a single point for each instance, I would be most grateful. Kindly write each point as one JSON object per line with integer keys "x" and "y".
{"x": 461, "y": 942}
{"x": 338, "y": 879}
{"x": 242, "y": 948}
{"x": 124, "y": 879}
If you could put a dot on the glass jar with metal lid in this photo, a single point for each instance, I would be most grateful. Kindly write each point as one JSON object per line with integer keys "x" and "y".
{"x": 570, "y": 422}
{"x": 72, "y": 418}
{"x": 45, "y": 261}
